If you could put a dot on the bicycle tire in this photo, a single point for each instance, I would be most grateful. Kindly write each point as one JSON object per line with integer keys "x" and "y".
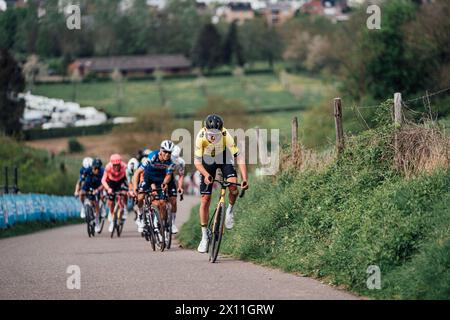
{"x": 89, "y": 219}
{"x": 160, "y": 238}
{"x": 114, "y": 223}
{"x": 120, "y": 224}
{"x": 102, "y": 224}
{"x": 151, "y": 232}
{"x": 169, "y": 230}
{"x": 217, "y": 233}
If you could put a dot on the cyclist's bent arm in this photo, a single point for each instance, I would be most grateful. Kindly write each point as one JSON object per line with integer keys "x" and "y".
{"x": 105, "y": 181}
{"x": 77, "y": 187}
{"x": 136, "y": 176}
{"x": 167, "y": 179}
{"x": 199, "y": 166}
{"x": 242, "y": 167}
{"x": 180, "y": 182}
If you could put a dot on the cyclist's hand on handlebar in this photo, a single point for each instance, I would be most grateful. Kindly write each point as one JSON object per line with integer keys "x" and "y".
{"x": 244, "y": 185}
{"x": 180, "y": 191}
{"x": 110, "y": 191}
{"x": 164, "y": 186}
{"x": 209, "y": 180}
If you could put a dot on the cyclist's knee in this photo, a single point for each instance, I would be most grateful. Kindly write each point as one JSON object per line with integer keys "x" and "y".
{"x": 206, "y": 199}
{"x": 233, "y": 190}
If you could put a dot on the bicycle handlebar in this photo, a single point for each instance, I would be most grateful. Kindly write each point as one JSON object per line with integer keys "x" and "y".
{"x": 226, "y": 184}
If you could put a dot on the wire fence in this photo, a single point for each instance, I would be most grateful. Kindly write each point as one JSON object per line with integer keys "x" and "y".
{"x": 409, "y": 111}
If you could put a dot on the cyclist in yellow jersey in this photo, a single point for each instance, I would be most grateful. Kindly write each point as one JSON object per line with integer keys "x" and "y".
{"x": 215, "y": 149}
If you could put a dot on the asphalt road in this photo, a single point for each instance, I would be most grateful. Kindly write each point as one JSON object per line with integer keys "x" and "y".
{"x": 35, "y": 267}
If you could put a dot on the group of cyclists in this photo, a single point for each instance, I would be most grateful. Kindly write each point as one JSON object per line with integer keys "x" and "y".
{"x": 155, "y": 172}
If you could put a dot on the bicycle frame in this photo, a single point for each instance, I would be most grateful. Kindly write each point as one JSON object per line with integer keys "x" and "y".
{"x": 216, "y": 223}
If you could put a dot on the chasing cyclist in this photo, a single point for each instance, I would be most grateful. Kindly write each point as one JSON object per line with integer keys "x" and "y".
{"x": 114, "y": 180}
{"x": 133, "y": 165}
{"x": 93, "y": 182}
{"x": 86, "y": 165}
{"x": 215, "y": 149}
{"x": 157, "y": 173}
{"x": 174, "y": 189}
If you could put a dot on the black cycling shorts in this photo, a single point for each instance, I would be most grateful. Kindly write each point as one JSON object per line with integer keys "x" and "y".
{"x": 117, "y": 186}
{"x": 228, "y": 171}
{"x": 172, "y": 188}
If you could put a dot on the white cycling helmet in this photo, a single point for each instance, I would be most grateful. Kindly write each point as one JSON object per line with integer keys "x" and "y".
{"x": 176, "y": 152}
{"x": 146, "y": 152}
{"x": 87, "y": 162}
{"x": 167, "y": 145}
{"x": 133, "y": 164}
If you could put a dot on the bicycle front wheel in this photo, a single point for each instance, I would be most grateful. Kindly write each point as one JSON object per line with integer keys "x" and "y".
{"x": 169, "y": 231}
{"x": 216, "y": 233}
{"x": 89, "y": 221}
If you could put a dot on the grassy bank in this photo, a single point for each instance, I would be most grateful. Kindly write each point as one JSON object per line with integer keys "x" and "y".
{"x": 32, "y": 227}
{"x": 39, "y": 172}
{"x": 333, "y": 223}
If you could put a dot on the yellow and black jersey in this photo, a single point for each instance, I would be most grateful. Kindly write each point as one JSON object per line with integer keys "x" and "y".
{"x": 213, "y": 144}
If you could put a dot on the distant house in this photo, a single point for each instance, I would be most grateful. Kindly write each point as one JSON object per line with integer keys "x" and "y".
{"x": 278, "y": 13}
{"x": 238, "y": 12}
{"x": 131, "y": 65}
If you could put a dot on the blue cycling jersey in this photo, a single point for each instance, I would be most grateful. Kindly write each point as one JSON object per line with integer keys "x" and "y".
{"x": 156, "y": 170}
{"x": 92, "y": 180}
{"x": 83, "y": 172}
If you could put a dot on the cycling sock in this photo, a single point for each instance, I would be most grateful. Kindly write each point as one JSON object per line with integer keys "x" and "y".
{"x": 174, "y": 216}
{"x": 230, "y": 209}
{"x": 204, "y": 232}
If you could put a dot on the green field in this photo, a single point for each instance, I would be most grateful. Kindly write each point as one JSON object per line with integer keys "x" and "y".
{"x": 186, "y": 95}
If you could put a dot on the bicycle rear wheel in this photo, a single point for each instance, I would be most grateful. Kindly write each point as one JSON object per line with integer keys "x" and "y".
{"x": 217, "y": 233}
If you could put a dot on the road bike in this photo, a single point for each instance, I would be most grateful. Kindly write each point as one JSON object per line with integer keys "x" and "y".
{"x": 158, "y": 226}
{"x": 217, "y": 221}
{"x": 89, "y": 210}
{"x": 119, "y": 208}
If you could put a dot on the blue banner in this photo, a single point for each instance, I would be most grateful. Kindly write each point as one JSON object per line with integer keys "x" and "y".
{"x": 36, "y": 207}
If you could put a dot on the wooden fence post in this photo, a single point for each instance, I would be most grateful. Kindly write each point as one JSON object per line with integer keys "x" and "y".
{"x": 340, "y": 144}
{"x": 294, "y": 137}
{"x": 398, "y": 118}
{"x": 398, "y": 121}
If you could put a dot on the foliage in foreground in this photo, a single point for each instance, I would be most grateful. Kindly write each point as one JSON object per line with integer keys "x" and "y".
{"x": 356, "y": 212}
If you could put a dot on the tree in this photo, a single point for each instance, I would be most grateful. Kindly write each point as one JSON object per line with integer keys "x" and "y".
{"x": 31, "y": 70}
{"x": 206, "y": 52}
{"x": 232, "y": 49}
{"x": 433, "y": 47}
{"x": 391, "y": 68}
{"x": 260, "y": 42}
{"x": 11, "y": 84}
{"x": 9, "y": 22}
